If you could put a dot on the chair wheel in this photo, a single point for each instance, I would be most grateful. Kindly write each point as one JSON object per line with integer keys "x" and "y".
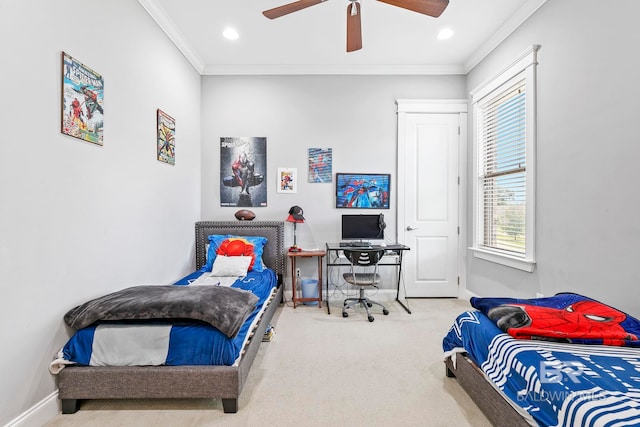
{"x": 371, "y": 319}
{"x": 369, "y": 305}
{"x": 385, "y": 311}
{"x": 345, "y": 314}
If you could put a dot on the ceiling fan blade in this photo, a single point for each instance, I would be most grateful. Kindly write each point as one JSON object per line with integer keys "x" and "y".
{"x": 354, "y": 27}
{"x": 428, "y": 7}
{"x": 279, "y": 11}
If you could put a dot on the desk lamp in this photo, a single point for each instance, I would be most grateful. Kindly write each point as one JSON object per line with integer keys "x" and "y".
{"x": 295, "y": 216}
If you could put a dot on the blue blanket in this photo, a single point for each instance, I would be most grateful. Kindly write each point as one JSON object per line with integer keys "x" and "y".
{"x": 553, "y": 384}
{"x": 127, "y": 343}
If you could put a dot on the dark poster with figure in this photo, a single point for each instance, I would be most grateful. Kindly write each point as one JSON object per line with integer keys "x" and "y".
{"x": 243, "y": 165}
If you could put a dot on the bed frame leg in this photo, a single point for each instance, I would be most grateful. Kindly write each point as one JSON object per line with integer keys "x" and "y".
{"x": 70, "y": 406}
{"x": 230, "y": 406}
{"x": 449, "y": 373}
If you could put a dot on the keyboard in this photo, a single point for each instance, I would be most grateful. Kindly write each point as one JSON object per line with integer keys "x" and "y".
{"x": 356, "y": 244}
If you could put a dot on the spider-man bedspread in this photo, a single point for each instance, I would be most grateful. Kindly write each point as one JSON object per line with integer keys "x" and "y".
{"x": 559, "y": 373}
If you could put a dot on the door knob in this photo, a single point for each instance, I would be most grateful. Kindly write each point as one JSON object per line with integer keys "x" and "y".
{"x": 410, "y": 228}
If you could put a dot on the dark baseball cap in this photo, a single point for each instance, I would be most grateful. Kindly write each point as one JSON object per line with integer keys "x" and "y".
{"x": 296, "y": 213}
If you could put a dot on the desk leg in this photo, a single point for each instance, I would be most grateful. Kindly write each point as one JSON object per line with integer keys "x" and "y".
{"x": 327, "y": 283}
{"x": 403, "y": 306}
{"x": 406, "y": 307}
{"x": 320, "y": 282}
{"x": 293, "y": 280}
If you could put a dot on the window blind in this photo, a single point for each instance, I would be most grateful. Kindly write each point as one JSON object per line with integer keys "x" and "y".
{"x": 502, "y": 125}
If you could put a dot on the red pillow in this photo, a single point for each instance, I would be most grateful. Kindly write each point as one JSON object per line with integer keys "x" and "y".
{"x": 237, "y": 246}
{"x": 258, "y": 243}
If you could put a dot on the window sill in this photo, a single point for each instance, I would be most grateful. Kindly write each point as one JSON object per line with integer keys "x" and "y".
{"x": 507, "y": 260}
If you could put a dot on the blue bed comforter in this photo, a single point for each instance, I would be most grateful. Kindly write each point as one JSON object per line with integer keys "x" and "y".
{"x": 552, "y": 383}
{"x": 126, "y": 343}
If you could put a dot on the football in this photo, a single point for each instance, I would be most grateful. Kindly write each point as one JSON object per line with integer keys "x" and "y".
{"x": 245, "y": 215}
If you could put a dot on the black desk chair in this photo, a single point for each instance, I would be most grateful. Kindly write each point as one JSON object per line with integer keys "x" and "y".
{"x": 363, "y": 273}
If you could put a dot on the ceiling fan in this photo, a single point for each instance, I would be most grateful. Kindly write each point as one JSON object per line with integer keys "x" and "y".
{"x": 354, "y": 28}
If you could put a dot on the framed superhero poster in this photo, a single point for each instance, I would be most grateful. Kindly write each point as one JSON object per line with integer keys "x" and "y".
{"x": 166, "y": 127}
{"x": 320, "y": 163}
{"x": 363, "y": 190}
{"x": 82, "y": 101}
{"x": 243, "y": 165}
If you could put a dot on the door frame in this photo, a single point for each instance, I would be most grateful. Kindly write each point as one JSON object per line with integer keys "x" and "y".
{"x": 436, "y": 106}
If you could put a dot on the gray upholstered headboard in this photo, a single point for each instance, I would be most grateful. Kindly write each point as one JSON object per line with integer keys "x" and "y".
{"x": 273, "y": 255}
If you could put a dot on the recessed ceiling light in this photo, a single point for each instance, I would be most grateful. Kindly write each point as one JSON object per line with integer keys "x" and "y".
{"x": 445, "y": 33}
{"x": 230, "y": 34}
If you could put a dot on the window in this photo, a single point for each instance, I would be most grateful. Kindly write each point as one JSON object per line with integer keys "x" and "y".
{"x": 504, "y": 147}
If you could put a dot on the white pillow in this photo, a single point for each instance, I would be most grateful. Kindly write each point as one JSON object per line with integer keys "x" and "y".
{"x": 230, "y": 266}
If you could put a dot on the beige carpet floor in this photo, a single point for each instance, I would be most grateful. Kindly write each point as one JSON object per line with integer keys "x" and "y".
{"x": 326, "y": 370}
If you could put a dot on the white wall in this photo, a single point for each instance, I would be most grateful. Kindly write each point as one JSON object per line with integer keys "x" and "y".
{"x": 587, "y": 227}
{"x": 79, "y": 220}
{"x": 353, "y": 115}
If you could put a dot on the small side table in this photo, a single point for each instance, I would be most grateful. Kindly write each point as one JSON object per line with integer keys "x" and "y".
{"x": 293, "y": 256}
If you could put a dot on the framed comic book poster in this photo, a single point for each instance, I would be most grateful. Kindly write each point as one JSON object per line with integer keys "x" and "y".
{"x": 243, "y": 165}
{"x": 166, "y": 126}
{"x": 82, "y": 101}
{"x": 320, "y": 165}
{"x": 363, "y": 190}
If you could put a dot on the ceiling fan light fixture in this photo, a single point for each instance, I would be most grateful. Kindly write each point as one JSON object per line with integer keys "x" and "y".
{"x": 354, "y": 10}
{"x": 230, "y": 34}
{"x": 445, "y": 34}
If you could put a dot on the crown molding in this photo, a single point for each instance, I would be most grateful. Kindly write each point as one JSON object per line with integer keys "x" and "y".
{"x": 330, "y": 69}
{"x": 166, "y": 24}
{"x": 503, "y": 32}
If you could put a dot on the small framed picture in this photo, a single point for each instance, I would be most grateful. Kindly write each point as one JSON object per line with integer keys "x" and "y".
{"x": 287, "y": 180}
{"x": 166, "y": 138}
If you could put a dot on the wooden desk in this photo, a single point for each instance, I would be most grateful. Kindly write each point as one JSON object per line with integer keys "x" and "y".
{"x": 293, "y": 256}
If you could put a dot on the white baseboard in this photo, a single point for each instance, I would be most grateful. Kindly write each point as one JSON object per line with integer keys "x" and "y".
{"x": 39, "y": 414}
{"x": 468, "y": 294}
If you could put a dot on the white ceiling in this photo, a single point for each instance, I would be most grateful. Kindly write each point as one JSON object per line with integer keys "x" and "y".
{"x": 313, "y": 40}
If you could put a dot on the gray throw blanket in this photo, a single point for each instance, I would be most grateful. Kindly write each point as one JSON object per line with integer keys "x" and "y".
{"x": 223, "y": 307}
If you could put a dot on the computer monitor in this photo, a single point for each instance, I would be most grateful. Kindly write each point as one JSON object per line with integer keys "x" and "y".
{"x": 362, "y": 227}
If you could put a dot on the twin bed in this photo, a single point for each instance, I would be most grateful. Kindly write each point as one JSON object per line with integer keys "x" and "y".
{"x": 565, "y": 360}
{"x": 192, "y": 349}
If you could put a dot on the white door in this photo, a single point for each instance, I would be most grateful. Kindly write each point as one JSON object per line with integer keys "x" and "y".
{"x": 428, "y": 200}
